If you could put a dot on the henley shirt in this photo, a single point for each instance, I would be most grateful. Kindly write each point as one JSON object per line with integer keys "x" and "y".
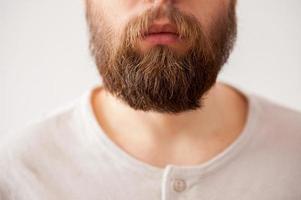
{"x": 66, "y": 155}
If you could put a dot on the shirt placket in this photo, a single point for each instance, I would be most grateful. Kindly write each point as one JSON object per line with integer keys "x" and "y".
{"x": 174, "y": 184}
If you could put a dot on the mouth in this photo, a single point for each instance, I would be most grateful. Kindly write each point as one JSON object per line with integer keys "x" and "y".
{"x": 161, "y": 34}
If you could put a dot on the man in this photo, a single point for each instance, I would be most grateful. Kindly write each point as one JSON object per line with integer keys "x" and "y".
{"x": 160, "y": 126}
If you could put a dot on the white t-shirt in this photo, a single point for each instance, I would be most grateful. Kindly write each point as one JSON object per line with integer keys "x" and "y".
{"x": 67, "y": 156}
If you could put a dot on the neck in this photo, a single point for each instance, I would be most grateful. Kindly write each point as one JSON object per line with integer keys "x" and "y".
{"x": 222, "y": 117}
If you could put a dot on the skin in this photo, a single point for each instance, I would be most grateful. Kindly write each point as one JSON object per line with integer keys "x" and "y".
{"x": 159, "y": 139}
{"x": 118, "y": 13}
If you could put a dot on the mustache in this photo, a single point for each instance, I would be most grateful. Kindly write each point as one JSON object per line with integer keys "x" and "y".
{"x": 186, "y": 25}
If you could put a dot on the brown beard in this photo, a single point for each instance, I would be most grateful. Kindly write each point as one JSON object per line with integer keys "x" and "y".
{"x": 161, "y": 80}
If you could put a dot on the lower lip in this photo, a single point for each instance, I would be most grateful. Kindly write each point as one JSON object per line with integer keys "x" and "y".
{"x": 162, "y": 38}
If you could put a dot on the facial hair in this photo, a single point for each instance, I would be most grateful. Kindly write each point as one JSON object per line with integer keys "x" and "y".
{"x": 160, "y": 79}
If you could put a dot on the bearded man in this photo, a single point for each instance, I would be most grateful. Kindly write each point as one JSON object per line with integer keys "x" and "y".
{"x": 160, "y": 125}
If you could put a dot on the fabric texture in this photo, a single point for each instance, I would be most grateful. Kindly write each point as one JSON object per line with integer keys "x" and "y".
{"x": 67, "y": 156}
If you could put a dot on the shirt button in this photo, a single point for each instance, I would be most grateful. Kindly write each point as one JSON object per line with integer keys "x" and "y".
{"x": 179, "y": 185}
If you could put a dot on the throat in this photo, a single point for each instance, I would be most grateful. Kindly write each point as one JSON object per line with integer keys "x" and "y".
{"x": 185, "y": 139}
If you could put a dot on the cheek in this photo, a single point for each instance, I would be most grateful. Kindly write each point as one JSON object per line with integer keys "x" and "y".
{"x": 118, "y": 13}
{"x": 206, "y": 11}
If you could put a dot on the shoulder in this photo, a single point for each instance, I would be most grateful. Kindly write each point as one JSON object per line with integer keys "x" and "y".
{"x": 35, "y": 147}
{"x": 278, "y": 132}
{"x": 40, "y": 130}
{"x": 40, "y": 138}
{"x": 279, "y": 118}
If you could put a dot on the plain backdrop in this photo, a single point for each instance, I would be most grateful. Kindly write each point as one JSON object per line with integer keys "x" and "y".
{"x": 45, "y": 62}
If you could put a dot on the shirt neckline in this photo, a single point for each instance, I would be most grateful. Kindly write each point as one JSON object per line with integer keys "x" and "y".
{"x": 98, "y": 137}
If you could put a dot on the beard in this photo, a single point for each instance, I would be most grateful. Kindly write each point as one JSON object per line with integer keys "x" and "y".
{"x": 161, "y": 79}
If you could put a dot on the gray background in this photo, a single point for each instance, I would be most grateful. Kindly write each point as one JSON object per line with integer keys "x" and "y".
{"x": 45, "y": 63}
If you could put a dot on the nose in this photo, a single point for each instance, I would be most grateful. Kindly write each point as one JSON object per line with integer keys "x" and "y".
{"x": 162, "y": 2}
{"x": 162, "y": 9}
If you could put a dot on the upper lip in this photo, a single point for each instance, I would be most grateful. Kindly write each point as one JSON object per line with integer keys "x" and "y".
{"x": 162, "y": 28}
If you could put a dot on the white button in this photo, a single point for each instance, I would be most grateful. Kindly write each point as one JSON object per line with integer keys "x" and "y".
{"x": 179, "y": 185}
